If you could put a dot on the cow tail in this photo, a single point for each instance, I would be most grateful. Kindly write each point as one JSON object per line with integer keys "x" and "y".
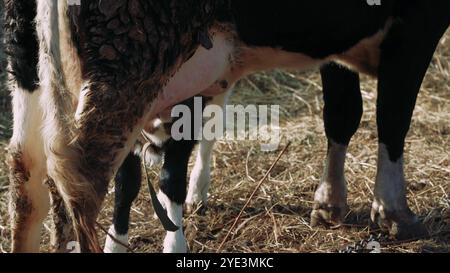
{"x": 63, "y": 157}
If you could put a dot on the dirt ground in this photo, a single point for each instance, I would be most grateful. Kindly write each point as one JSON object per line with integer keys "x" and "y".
{"x": 277, "y": 219}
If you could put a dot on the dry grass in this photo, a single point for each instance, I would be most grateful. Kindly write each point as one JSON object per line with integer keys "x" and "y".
{"x": 277, "y": 220}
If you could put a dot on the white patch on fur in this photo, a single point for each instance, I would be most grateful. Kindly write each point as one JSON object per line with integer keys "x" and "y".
{"x": 333, "y": 189}
{"x": 158, "y": 136}
{"x": 390, "y": 189}
{"x": 200, "y": 177}
{"x": 27, "y": 118}
{"x": 152, "y": 158}
{"x": 74, "y": 2}
{"x": 174, "y": 242}
{"x": 111, "y": 246}
{"x": 81, "y": 103}
{"x": 161, "y": 198}
{"x": 27, "y": 138}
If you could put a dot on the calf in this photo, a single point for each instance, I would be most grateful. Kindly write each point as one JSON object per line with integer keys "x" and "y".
{"x": 105, "y": 74}
{"x": 172, "y": 181}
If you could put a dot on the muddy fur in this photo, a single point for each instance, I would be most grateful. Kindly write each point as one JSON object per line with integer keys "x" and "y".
{"x": 18, "y": 170}
{"x": 62, "y": 231}
{"x": 20, "y": 206}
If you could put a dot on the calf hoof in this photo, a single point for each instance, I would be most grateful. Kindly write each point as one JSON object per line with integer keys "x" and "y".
{"x": 112, "y": 245}
{"x": 196, "y": 208}
{"x": 175, "y": 242}
{"x": 196, "y": 202}
{"x": 400, "y": 224}
{"x": 328, "y": 215}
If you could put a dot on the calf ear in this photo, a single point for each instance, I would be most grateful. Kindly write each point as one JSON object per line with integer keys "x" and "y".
{"x": 152, "y": 154}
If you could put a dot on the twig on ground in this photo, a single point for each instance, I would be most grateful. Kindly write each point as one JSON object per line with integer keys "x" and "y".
{"x": 252, "y": 195}
{"x": 114, "y": 238}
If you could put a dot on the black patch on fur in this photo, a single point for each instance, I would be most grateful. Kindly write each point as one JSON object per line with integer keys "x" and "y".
{"x": 21, "y": 44}
{"x": 127, "y": 186}
{"x": 315, "y": 28}
{"x": 173, "y": 178}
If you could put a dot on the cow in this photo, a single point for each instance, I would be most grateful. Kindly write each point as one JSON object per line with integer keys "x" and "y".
{"x": 107, "y": 68}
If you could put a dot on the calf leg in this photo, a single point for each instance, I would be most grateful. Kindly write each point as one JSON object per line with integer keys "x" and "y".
{"x": 406, "y": 54}
{"x": 342, "y": 115}
{"x": 127, "y": 185}
{"x": 200, "y": 177}
{"x": 172, "y": 195}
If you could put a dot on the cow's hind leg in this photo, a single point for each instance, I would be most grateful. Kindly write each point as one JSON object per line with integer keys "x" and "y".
{"x": 127, "y": 185}
{"x": 29, "y": 197}
{"x": 342, "y": 115}
{"x": 105, "y": 134}
{"x": 123, "y": 72}
{"x": 406, "y": 55}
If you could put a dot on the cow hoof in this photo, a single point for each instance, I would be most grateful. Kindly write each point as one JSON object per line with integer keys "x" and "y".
{"x": 401, "y": 224}
{"x": 328, "y": 215}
